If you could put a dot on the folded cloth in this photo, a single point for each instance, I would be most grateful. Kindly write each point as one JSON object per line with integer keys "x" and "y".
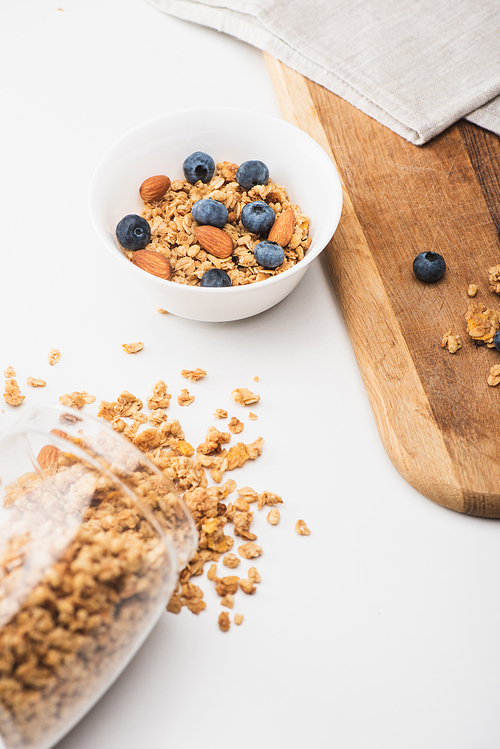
{"x": 416, "y": 66}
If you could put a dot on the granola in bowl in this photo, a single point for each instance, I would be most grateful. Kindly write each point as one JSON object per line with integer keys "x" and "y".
{"x": 173, "y": 228}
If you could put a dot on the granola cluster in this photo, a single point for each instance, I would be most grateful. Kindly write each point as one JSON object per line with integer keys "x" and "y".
{"x": 451, "y": 341}
{"x": 12, "y": 394}
{"x": 53, "y": 356}
{"x": 36, "y": 382}
{"x": 494, "y": 375}
{"x": 483, "y": 324}
{"x": 172, "y": 228}
{"x": 77, "y": 399}
{"x": 245, "y": 396}
{"x": 494, "y": 278}
{"x": 302, "y": 528}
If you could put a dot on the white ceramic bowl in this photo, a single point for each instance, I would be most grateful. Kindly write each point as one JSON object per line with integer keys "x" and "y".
{"x": 160, "y": 146}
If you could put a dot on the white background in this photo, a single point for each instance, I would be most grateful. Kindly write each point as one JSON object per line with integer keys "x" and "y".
{"x": 381, "y": 629}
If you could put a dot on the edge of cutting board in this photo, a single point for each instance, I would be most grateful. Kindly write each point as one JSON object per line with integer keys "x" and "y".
{"x": 418, "y": 446}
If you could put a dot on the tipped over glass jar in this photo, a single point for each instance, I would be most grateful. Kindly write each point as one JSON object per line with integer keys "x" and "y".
{"x": 92, "y": 537}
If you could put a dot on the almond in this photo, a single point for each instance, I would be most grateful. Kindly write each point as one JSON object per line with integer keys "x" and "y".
{"x": 282, "y": 229}
{"x": 152, "y": 262}
{"x": 215, "y": 241}
{"x": 154, "y": 188}
{"x": 47, "y": 455}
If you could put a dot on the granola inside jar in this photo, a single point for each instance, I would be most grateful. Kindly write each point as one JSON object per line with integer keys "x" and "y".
{"x": 92, "y": 536}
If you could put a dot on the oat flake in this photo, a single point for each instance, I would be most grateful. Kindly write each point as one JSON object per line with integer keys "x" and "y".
{"x": 133, "y": 348}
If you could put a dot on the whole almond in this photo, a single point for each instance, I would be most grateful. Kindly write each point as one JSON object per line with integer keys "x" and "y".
{"x": 152, "y": 262}
{"x": 154, "y": 188}
{"x": 47, "y": 455}
{"x": 282, "y": 229}
{"x": 215, "y": 241}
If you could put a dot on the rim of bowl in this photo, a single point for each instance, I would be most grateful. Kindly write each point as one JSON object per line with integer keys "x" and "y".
{"x": 246, "y": 288}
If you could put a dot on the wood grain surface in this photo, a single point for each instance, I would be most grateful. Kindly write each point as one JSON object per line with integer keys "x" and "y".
{"x": 438, "y": 418}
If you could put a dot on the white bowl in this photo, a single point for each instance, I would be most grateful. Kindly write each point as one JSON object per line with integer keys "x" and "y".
{"x": 160, "y": 146}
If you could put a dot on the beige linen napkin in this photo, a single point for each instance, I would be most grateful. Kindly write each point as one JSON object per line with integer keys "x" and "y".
{"x": 416, "y": 66}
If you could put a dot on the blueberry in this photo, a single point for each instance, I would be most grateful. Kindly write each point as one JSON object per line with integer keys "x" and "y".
{"x": 269, "y": 254}
{"x": 210, "y": 212}
{"x": 215, "y": 278}
{"x": 257, "y": 217}
{"x": 133, "y": 232}
{"x": 252, "y": 173}
{"x": 429, "y": 266}
{"x": 198, "y": 165}
{"x": 496, "y": 340}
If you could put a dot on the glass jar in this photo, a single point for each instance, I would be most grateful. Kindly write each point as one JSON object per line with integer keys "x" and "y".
{"x": 92, "y": 537}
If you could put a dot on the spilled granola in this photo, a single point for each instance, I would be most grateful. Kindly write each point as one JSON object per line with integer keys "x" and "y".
{"x": 188, "y": 466}
{"x": 53, "y": 356}
{"x": 77, "y": 399}
{"x": 244, "y": 396}
{"x": 165, "y": 444}
{"x": 235, "y": 426}
{"x": 482, "y": 323}
{"x": 253, "y": 575}
{"x": 451, "y": 341}
{"x": 185, "y": 399}
{"x": 273, "y": 516}
{"x": 250, "y": 550}
{"x": 224, "y": 621}
{"x": 231, "y": 561}
{"x": 159, "y": 396}
{"x": 133, "y": 348}
{"x": 302, "y": 528}
{"x": 194, "y": 374}
{"x": 12, "y": 394}
{"x": 494, "y": 278}
{"x": 247, "y": 587}
{"x": 36, "y": 382}
{"x": 494, "y": 376}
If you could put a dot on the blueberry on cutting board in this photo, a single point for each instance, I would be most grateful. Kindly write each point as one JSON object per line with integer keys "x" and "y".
{"x": 429, "y": 266}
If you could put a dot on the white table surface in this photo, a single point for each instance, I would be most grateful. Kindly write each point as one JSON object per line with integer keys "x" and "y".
{"x": 380, "y": 630}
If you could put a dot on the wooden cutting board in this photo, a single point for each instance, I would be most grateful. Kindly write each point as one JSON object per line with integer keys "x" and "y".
{"x": 438, "y": 418}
